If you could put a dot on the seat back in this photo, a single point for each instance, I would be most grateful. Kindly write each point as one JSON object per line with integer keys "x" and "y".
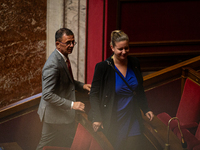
{"x": 188, "y": 110}
{"x": 98, "y": 139}
{"x": 83, "y": 140}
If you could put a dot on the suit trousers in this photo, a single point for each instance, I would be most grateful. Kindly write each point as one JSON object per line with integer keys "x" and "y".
{"x": 60, "y": 135}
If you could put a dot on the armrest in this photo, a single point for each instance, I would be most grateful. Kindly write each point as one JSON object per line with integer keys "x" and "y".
{"x": 189, "y": 125}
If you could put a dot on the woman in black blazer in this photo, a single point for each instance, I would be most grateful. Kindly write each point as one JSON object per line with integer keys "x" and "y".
{"x": 115, "y": 106}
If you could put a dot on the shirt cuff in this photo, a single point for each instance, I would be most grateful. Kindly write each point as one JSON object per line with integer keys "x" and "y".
{"x": 72, "y": 105}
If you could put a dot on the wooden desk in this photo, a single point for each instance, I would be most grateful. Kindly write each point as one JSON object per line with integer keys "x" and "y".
{"x": 156, "y": 133}
{"x": 10, "y": 146}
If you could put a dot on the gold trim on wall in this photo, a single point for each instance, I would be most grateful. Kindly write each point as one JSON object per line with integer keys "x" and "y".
{"x": 164, "y": 43}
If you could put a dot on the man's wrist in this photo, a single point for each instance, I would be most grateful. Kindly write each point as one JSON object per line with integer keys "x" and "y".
{"x": 72, "y": 104}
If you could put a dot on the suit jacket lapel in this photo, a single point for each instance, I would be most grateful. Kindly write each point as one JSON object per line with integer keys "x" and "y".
{"x": 64, "y": 65}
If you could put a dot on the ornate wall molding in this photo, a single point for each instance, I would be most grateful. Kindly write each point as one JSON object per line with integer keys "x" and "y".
{"x": 70, "y": 14}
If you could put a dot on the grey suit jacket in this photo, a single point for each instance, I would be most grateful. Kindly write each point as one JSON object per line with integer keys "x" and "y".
{"x": 58, "y": 91}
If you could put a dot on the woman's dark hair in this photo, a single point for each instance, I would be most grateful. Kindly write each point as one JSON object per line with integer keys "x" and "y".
{"x": 60, "y": 32}
{"x": 117, "y": 36}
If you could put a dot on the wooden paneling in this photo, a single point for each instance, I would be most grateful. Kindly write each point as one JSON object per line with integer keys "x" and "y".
{"x": 159, "y": 20}
{"x": 161, "y": 33}
{"x": 170, "y": 73}
{"x": 159, "y": 60}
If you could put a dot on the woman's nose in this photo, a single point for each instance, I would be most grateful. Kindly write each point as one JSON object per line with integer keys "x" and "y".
{"x": 124, "y": 51}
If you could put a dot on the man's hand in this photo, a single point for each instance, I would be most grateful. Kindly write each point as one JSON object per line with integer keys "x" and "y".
{"x": 79, "y": 106}
{"x": 87, "y": 87}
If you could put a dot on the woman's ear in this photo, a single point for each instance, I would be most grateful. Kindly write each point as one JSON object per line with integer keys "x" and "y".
{"x": 112, "y": 48}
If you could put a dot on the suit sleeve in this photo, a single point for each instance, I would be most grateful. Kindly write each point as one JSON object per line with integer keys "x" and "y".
{"x": 50, "y": 79}
{"x": 95, "y": 93}
{"x": 79, "y": 86}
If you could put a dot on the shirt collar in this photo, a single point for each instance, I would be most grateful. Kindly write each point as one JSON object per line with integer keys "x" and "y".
{"x": 63, "y": 56}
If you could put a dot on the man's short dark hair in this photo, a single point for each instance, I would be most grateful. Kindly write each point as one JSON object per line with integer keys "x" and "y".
{"x": 60, "y": 32}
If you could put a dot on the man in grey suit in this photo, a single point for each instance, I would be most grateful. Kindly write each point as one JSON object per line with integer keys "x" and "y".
{"x": 58, "y": 103}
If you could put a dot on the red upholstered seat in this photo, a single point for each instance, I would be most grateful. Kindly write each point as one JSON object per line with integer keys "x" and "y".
{"x": 83, "y": 140}
{"x": 188, "y": 111}
{"x": 164, "y": 117}
{"x": 189, "y": 108}
{"x": 197, "y": 135}
{"x": 191, "y": 140}
{"x": 188, "y": 114}
{"x": 197, "y": 147}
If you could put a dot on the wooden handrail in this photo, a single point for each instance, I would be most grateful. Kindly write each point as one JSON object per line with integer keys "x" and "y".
{"x": 169, "y": 73}
{"x": 19, "y": 106}
{"x": 155, "y": 61}
{"x": 191, "y": 73}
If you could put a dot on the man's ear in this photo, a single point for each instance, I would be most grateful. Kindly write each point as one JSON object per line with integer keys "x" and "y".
{"x": 57, "y": 44}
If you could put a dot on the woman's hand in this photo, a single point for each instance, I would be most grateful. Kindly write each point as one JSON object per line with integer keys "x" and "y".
{"x": 150, "y": 115}
{"x": 87, "y": 87}
{"x": 96, "y": 126}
